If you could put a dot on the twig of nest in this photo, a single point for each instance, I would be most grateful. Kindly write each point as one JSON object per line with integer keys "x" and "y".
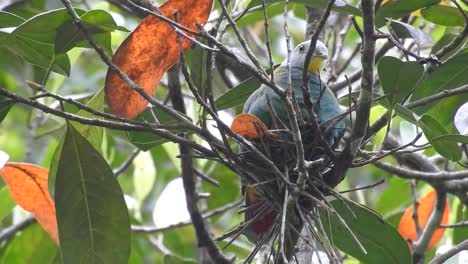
{"x": 266, "y": 213}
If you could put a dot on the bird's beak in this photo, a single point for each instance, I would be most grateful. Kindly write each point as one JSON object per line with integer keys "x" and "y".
{"x": 323, "y": 56}
{"x": 316, "y": 62}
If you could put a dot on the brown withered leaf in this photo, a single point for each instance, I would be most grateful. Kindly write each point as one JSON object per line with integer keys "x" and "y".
{"x": 28, "y": 187}
{"x": 148, "y": 52}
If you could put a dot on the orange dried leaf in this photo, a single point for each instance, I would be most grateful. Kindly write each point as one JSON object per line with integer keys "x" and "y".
{"x": 148, "y": 52}
{"x": 28, "y": 187}
{"x": 407, "y": 227}
{"x": 249, "y": 126}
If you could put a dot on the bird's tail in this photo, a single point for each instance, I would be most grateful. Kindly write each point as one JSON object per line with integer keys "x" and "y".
{"x": 259, "y": 215}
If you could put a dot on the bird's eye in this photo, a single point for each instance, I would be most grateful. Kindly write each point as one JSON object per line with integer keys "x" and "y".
{"x": 301, "y": 48}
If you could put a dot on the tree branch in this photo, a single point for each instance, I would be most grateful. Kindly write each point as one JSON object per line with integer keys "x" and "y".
{"x": 441, "y": 258}
{"x": 203, "y": 236}
{"x": 214, "y": 212}
{"x": 10, "y": 231}
{"x": 365, "y": 95}
{"x": 432, "y": 177}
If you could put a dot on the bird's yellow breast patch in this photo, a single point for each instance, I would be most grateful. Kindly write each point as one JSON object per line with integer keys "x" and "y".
{"x": 315, "y": 64}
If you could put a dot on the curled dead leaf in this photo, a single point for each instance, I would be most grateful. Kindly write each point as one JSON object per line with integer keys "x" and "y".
{"x": 148, "y": 52}
{"x": 249, "y": 126}
{"x": 28, "y": 187}
{"x": 407, "y": 227}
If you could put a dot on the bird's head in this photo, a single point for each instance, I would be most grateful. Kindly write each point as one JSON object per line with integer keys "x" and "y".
{"x": 298, "y": 56}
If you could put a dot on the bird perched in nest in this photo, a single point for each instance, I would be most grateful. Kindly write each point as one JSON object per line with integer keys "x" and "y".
{"x": 268, "y": 106}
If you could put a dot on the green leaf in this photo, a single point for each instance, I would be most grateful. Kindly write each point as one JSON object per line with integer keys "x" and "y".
{"x": 43, "y": 27}
{"x": 26, "y": 9}
{"x": 452, "y": 74}
{"x": 460, "y": 233}
{"x": 434, "y": 130}
{"x": 100, "y": 19}
{"x": 6, "y": 202}
{"x": 339, "y": 6}
{"x": 196, "y": 62}
{"x": 69, "y": 37}
{"x": 92, "y": 216}
{"x": 32, "y": 245}
{"x": 395, "y": 9}
{"x": 146, "y": 140}
{"x": 381, "y": 240}
{"x": 36, "y": 53}
{"x": 9, "y": 20}
{"x": 403, "y": 30}
{"x": 398, "y": 78}
{"x": 5, "y": 105}
{"x": 387, "y": 205}
{"x": 443, "y": 15}
{"x": 407, "y": 114}
{"x": 98, "y": 22}
{"x": 443, "y": 41}
{"x": 454, "y": 138}
{"x": 93, "y": 134}
{"x": 251, "y": 18}
{"x": 56, "y": 28}
{"x": 239, "y": 94}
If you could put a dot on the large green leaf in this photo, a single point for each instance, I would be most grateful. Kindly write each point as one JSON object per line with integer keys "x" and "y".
{"x": 56, "y": 28}
{"x": 36, "y": 53}
{"x": 26, "y": 9}
{"x": 434, "y": 130}
{"x": 381, "y": 240}
{"x": 450, "y": 75}
{"x": 43, "y": 27}
{"x": 339, "y": 6}
{"x": 32, "y": 245}
{"x": 9, "y": 20}
{"x": 404, "y": 30}
{"x": 387, "y": 205}
{"x": 443, "y": 15}
{"x": 98, "y": 22}
{"x": 239, "y": 94}
{"x": 451, "y": 137}
{"x": 93, "y": 134}
{"x": 398, "y": 78}
{"x": 92, "y": 216}
{"x": 146, "y": 140}
{"x": 395, "y": 9}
